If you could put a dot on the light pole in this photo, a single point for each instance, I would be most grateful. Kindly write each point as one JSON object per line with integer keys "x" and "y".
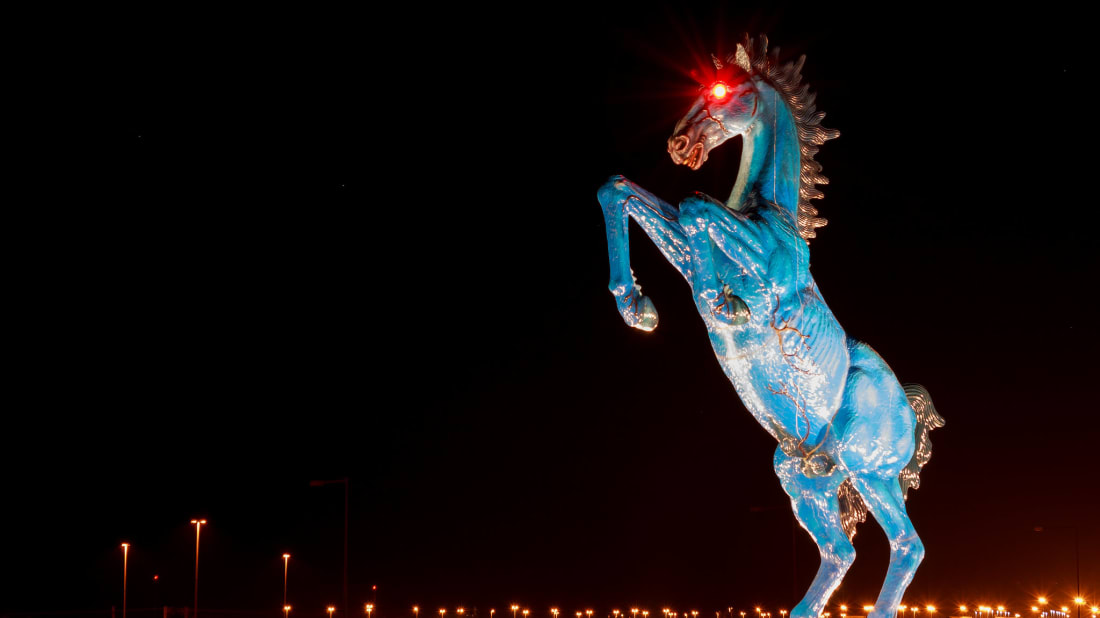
{"x": 416, "y": 611}
{"x": 198, "y": 523}
{"x": 330, "y": 609}
{"x": 125, "y": 554}
{"x": 1077, "y": 559}
{"x": 345, "y": 483}
{"x": 286, "y": 564}
{"x": 370, "y": 608}
{"x": 286, "y": 611}
{"x": 514, "y": 608}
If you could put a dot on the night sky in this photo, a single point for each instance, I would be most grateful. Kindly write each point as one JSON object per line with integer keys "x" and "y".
{"x": 313, "y": 245}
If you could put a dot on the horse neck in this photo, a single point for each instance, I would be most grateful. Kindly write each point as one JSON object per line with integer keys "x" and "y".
{"x": 770, "y": 156}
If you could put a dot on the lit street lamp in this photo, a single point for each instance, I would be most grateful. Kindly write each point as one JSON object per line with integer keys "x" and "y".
{"x": 198, "y": 523}
{"x": 330, "y": 609}
{"x": 286, "y": 611}
{"x": 286, "y": 563}
{"x": 370, "y": 608}
{"x": 416, "y": 611}
{"x": 125, "y": 554}
{"x": 514, "y": 608}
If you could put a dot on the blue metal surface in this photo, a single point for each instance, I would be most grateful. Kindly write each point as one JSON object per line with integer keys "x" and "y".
{"x": 851, "y": 438}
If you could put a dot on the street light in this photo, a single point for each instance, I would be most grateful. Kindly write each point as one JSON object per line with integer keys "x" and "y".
{"x": 416, "y": 611}
{"x": 286, "y": 563}
{"x": 330, "y": 609}
{"x": 198, "y": 523}
{"x": 286, "y": 611}
{"x": 370, "y": 608}
{"x": 125, "y": 554}
{"x": 554, "y": 611}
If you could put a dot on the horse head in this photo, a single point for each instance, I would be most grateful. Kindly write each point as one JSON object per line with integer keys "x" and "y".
{"x": 725, "y": 108}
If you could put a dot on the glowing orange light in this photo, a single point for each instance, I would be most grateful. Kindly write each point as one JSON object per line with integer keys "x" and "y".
{"x": 156, "y": 577}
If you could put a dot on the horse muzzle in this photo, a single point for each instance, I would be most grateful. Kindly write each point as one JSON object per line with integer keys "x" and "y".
{"x": 684, "y": 153}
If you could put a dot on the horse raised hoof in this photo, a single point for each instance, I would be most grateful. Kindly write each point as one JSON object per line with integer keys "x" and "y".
{"x": 645, "y": 315}
{"x": 638, "y": 310}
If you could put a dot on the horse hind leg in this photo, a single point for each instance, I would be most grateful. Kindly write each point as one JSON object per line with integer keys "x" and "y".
{"x": 885, "y": 501}
{"x": 815, "y": 505}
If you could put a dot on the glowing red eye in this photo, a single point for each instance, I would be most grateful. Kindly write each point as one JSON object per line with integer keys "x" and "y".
{"x": 719, "y": 90}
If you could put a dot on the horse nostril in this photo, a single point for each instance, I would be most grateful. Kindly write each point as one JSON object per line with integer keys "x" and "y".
{"x": 677, "y": 144}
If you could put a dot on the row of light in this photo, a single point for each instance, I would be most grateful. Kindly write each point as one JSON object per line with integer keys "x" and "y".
{"x": 369, "y": 608}
{"x": 668, "y": 613}
{"x": 1094, "y": 610}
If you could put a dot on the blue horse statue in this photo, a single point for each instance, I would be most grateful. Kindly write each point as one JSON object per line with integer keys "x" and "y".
{"x": 851, "y": 438}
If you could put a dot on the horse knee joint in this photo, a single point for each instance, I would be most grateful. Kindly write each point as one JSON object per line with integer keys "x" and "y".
{"x": 614, "y": 185}
{"x": 842, "y": 555}
{"x": 911, "y": 550}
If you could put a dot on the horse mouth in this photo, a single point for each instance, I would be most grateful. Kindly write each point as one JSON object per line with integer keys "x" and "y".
{"x": 695, "y": 156}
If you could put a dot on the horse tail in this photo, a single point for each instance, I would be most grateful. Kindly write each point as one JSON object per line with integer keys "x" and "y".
{"x": 927, "y": 420}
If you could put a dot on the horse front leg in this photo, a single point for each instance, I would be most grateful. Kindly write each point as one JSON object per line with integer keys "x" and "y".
{"x": 623, "y": 200}
{"x": 712, "y": 296}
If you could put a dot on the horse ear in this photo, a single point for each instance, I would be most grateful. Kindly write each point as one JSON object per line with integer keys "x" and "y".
{"x": 741, "y": 58}
{"x": 716, "y": 61}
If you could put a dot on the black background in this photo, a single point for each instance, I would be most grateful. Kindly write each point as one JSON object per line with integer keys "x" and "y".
{"x": 300, "y": 244}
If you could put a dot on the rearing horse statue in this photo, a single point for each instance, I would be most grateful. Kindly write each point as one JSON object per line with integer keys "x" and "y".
{"x": 851, "y": 438}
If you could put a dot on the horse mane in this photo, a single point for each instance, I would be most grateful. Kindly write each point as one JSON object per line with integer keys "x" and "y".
{"x": 786, "y": 79}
